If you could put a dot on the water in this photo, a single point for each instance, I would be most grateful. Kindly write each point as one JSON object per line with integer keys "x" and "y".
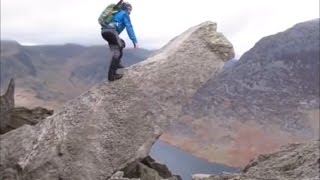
{"x": 183, "y": 163}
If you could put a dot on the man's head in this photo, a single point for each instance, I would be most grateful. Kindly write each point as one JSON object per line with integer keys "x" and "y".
{"x": 127, "y": 6}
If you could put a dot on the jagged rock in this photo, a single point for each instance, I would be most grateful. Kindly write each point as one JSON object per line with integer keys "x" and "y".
{"x": 114, "y": 124}
{"x": 160, "y": 168}
{"x": 7, "y": 104}
{"x": 14, "y": 117}
{"x": 147, "y": 169}
{"x": 294, "y": 161}
{"x": 143, "y": 172}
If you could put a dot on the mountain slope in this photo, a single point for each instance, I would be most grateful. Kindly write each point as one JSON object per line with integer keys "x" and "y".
{"x": 270, "y": 97}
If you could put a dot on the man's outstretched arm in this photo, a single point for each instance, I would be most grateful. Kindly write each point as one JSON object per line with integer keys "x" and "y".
{"x": 130, "y": 30}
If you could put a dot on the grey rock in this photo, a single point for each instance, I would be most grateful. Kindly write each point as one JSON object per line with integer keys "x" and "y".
{"x": 162, "y": 169}
{"x": 142, "y": 172}
{"x": 7, "y": 104}
{"x": 114, "y": 124}
{"x": 147, "y": 169}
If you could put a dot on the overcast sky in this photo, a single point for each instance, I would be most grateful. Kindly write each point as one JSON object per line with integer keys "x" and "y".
{"x": 155, "y": 22}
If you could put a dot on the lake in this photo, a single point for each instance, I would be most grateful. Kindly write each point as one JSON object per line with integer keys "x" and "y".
{"x": 183, "y": 163}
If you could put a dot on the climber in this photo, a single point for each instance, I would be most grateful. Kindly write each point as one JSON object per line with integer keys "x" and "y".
{"x": 113, "y": 20}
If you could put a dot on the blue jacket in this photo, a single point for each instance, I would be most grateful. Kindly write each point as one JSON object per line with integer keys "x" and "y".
{"x": 122, "y": 20}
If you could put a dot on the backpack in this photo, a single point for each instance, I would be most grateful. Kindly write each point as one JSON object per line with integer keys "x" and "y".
{"x": 107, "y": 15}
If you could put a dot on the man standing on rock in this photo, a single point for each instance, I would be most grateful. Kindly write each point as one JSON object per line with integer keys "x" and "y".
{"x": 113, "y": 20}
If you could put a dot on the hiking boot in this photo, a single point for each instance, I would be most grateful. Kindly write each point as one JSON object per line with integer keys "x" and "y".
{"x": 120, "y": 71}
{"x": 116, "y": 77}
{"x": 120, "y": 66}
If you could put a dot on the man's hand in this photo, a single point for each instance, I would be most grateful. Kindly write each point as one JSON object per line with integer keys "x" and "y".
{"x": 135, "y": 45}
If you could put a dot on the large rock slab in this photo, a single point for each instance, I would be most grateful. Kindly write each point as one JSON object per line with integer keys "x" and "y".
{"x": 114, "y": 124}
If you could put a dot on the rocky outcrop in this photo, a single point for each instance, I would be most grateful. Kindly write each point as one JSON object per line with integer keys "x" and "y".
{"x": 162, "y": 169}
{"x": 294, "y": 161}
{"x": 269, "y": 98}
{"x": 114, "y": 124}
{"x": 148, "y": 169}
{"x": 14, "y": 117}
{"x": 7, "y": 104}
{"x": 21, "y": 116}
{"x": 144, "y": 173}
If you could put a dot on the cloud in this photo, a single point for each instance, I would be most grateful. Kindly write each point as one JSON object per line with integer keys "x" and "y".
{"x": 155, "y": 22}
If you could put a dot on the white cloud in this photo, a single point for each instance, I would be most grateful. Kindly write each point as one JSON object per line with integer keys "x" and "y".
{"x": 155, "y": 22}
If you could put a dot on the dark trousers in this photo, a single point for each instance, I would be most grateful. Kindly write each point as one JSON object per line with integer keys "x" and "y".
{"x": 116, "y": 46}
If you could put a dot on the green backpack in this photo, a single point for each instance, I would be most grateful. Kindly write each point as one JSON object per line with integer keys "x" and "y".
{"x": 107, "y": 15}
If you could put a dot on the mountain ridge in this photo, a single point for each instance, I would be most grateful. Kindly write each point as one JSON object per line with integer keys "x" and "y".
{"x": 48, "y": 75}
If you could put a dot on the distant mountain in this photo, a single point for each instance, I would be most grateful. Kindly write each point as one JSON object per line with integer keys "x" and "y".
{"x": 230, "y": 63}
{"x": 52, "y": 74}
{"x": 270, "y": 97}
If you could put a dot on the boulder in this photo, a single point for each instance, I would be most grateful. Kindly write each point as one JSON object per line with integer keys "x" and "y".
{"x": 148, "y": 169}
